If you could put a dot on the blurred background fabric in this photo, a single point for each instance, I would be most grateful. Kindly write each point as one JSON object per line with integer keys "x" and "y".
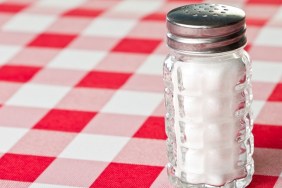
{"x": 81, "y": 92}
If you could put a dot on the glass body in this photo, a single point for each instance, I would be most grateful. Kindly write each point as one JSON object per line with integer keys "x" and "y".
{"x": 208, "y": 119}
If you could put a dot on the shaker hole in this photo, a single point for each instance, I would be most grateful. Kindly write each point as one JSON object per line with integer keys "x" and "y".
{"x": 225, "y": 9}
{"x": 215, "y": 15}
{"x": 205, "y": 15}
{"x": 223, "y": 12}
{"x": 211, "y": 11}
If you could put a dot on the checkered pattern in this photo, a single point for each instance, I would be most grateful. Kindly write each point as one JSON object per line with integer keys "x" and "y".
{"x": 81, "y": 101}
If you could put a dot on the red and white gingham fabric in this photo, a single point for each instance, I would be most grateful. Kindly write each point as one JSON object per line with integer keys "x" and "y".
{"x": 81, "y": 92}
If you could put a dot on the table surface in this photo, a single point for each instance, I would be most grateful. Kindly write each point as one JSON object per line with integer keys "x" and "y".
{"x": 81, "y": 92}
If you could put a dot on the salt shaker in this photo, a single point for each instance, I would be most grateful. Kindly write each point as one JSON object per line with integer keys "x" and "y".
{"x": 207, "y": 78}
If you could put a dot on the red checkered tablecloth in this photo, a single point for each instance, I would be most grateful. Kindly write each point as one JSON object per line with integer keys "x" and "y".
{"x": 81, "y": 102}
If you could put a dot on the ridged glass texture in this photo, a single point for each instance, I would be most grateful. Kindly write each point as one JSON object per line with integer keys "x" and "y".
{"x": 208, "y": 119}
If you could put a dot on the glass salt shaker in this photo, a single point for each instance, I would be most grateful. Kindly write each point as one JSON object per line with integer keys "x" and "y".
{"x": 208, "y": 96}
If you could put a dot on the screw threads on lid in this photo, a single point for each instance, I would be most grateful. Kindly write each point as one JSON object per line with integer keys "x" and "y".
{"x": 206, "y": 28}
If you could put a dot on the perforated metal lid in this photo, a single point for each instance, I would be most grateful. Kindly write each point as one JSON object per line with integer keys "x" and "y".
{"x": 206, "y": 28}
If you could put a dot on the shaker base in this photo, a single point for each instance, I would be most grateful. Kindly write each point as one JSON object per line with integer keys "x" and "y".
{"x": 238, "y": 183}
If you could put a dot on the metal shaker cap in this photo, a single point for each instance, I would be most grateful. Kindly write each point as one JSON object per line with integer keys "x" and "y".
{"x": 206, "y": 28}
